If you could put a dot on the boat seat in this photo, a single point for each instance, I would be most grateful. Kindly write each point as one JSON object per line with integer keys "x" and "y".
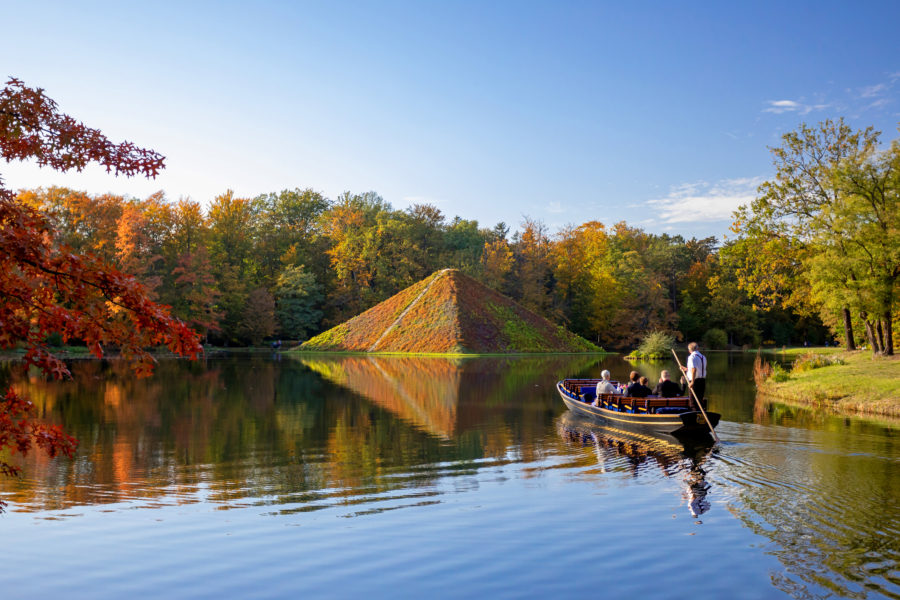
{"x": 659, "y": 405}
{"x": 671, "y": 410}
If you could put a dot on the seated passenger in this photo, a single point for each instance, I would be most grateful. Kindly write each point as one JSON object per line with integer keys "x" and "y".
{"x": 604, "y": 387}
{"x": 666, "y": 387}
{"x": 635, "y": 389}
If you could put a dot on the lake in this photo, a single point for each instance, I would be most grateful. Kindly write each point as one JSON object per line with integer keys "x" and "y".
{"x": 316, "y": 476}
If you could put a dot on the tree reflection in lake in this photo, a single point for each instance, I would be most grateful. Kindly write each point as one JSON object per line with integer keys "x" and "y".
{"x": 459, "y": 446}
{"x": 306, "y": 432}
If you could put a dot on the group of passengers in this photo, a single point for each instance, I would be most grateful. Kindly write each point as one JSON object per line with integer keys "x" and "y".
{"x": 637, "y": 386}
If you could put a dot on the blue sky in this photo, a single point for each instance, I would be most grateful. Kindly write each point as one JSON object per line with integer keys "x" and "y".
{"x": 657, "y": 113}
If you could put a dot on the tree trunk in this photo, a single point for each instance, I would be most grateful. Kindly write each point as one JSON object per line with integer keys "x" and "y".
{"x": 888, "y": 333}
{"x": 878, "y": 330}
{"x": 848, "y": 329}
{"x": 870, "y": 335}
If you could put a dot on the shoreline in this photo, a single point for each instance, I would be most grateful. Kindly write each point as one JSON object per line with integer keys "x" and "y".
{"x": 863, "y": 386}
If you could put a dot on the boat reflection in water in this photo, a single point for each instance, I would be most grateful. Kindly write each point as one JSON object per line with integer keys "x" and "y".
{"x": 672, "y": 456}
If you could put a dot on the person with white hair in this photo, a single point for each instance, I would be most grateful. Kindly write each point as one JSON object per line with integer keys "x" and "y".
{"x": 604, "y": 386}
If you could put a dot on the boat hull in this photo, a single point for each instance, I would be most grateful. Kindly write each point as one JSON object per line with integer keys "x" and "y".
{"x": 683, "y": 425}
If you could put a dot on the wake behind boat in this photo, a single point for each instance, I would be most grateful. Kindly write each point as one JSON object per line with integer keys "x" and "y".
{"x": 677, "y": 416}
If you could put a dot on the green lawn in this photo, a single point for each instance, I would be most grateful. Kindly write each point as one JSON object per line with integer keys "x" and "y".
{"x": 796, "y": 351}
{"x": 865, "y": 384}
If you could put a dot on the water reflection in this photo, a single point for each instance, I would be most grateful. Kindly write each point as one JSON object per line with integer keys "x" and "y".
{"x": 617, "y": 449}
{"x": 306, "y": 433}
{"x": 823, "y": 489}
{"x": 442, "y": 396}
{"x": 358, "y": 437}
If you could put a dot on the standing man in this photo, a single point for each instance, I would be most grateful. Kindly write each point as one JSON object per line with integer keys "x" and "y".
{"x": 695, "y": 371}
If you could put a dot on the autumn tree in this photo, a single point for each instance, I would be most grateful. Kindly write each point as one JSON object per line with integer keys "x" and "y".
{"x": 351, "y": 226}
{"x": 496, "y": 263}
{"x": 83, "y": 222}
{"x": 46, "y": 287}
{"x": 141, "y": 234}
{"x": 258, "y": 320}
{"x": 533, "y": 268}
{"x": 584, "y": 280}
{"x": 196, "y": 292}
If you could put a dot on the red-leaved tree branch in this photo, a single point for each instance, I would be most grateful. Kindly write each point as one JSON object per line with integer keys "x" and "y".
{"x": 47, "y": 288}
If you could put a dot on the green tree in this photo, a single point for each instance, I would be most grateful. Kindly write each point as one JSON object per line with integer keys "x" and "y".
{"x": 290, "y": 231}
{"x": 796, "y": 220}
{"x": 297, "y": 296}
{"x": 233, "y": 230}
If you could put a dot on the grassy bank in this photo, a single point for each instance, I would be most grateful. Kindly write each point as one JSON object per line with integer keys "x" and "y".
{"x": 863, "y": 384}
{"x": 798, "y": 350}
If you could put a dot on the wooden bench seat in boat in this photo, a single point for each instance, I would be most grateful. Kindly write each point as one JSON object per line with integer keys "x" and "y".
{"x": 650, "y": 404}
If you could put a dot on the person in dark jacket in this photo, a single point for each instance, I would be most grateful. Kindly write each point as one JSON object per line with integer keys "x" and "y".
{"x": 635, "y": 389}
{"x": 666, "y": 387}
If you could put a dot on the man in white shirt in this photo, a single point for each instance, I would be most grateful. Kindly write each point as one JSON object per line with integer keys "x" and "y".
{"x": 695, "y": 371}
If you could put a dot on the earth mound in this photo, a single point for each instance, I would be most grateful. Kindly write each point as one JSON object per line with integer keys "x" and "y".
{"x": 448, "y": 313}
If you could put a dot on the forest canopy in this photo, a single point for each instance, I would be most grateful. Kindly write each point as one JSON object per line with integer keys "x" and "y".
{"x": 292, "y": 263}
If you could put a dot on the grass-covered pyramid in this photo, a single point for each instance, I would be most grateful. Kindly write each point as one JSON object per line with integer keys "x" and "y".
{"x": 448, "y": 313}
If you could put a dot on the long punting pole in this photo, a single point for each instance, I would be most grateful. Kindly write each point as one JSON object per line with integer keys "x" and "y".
{"x": 700, "y": 404}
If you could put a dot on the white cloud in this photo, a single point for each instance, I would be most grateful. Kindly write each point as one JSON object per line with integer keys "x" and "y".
{"x": 780, "y": 106}
{"x": 783, "y": 106}
{"x": 872, "y": 90}
{"x": 705, "y": 202}
{"x": 878, "y": 103}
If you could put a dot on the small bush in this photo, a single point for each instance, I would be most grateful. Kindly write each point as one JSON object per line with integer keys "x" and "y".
{"x": 715, "y": 339}
{"x": 810, "y": 361}
{"x": 779, "y": 374}
{"x": 763, "y": 371}
{"x": 655, "y": 344}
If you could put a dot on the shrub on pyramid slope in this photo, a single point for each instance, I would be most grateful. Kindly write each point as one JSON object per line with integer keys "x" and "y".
{"x": 449, "y": 313}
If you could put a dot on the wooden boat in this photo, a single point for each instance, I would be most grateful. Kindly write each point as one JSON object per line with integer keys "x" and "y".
{"x": 678, "y": 417}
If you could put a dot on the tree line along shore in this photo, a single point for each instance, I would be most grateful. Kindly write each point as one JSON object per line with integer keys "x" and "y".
{"x": 814, "y": 258}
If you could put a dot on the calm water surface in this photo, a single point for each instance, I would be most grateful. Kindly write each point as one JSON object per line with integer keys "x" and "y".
{"x": 275, "y": 477}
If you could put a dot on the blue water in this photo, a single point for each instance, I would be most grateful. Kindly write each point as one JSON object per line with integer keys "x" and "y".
{"x": 251, "y": 477}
